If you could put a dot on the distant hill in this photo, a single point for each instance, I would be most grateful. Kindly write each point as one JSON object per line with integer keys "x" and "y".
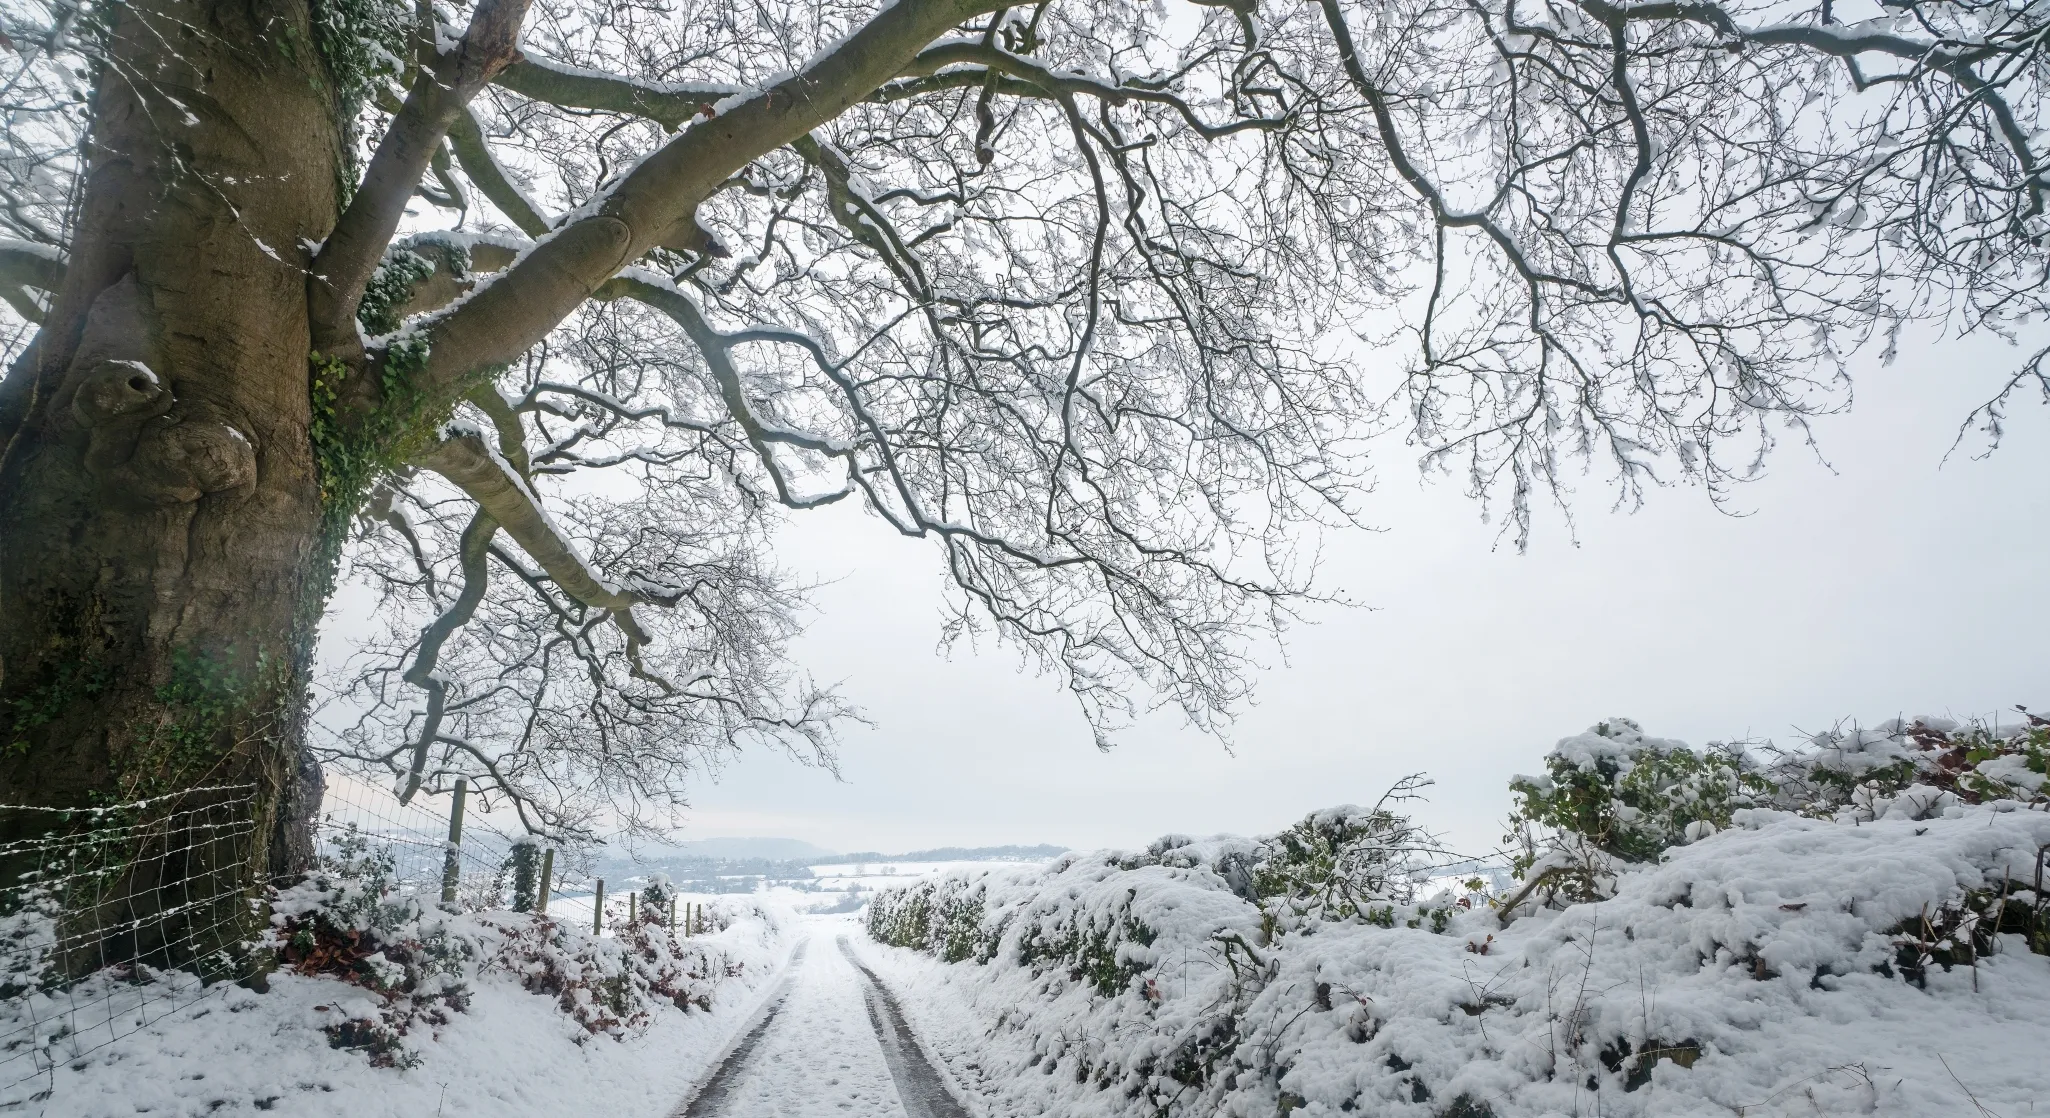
{"x": 954, "y": 854}
{"x": 770, "y": 849}
{"x": 735, "y": 864}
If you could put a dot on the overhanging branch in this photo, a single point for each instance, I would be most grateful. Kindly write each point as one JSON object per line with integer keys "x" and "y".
{"x": 717, "y": 351}
{"x": 661, "y": 193}
{"x": 467, "y": 138}
{"x": 475, "y": 549}
{"x": 970, "y": 63}
{"x": 669, "y": 104}
{"x": 476, "y": 467}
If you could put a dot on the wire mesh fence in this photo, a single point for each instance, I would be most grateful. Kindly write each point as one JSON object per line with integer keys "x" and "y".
{"x": 113, "y": 918}
{"x": 467, "y": 864}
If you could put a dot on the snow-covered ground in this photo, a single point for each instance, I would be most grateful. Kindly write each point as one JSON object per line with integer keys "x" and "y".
{"x": 508, "y": 1053}
{"x": 818, "y": 1055}
{"x": 792, "y": 1033}
{"x": 1875, "y": 949}
{"x": 1745, "y": 975}
{"x": 1758, "y": 972}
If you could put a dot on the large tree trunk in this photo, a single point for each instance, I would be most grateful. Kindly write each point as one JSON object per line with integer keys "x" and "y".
{"x": 162, "y": 567}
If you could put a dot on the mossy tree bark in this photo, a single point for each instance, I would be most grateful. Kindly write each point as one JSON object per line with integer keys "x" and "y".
{"x": 159, "y": 564}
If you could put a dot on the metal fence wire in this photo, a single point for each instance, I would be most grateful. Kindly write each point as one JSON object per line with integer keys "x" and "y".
{"x": 468, "y": 864}
{"x": 113, "y": 918}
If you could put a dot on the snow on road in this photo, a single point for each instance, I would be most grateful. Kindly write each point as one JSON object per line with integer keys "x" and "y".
{"x": 819, "y": 1051}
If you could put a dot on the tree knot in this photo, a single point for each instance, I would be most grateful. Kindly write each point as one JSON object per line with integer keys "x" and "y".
{"x": 113, "y": 391}
{"x": 136, "y": 442}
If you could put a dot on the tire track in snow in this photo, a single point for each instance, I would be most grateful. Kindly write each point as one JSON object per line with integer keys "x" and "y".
{"x": 711, "y": 1096}
{"x": 919, "y": 1085}
{"x": 807, "y": 1054}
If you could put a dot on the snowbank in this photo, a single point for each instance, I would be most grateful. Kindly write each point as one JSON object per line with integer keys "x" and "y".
{"x": 1870, "y": 961}
{"x": 506, "y": 1016}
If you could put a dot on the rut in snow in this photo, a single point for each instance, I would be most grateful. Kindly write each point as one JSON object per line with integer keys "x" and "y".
{"x": 828, "y": 1042}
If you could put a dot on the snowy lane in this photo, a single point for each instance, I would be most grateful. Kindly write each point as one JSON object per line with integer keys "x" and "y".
{"x": 830, "y": 1044}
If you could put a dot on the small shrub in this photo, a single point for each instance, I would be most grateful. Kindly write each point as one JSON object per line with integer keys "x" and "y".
{"x": 1969, "y": 926}
{"x": 610, "y": 986}
{"x": 1858, "y": 775}
{"x": 1614, "y": 796}
{"x": 1346, "y": 863}
{"x": 348, "y": 920}
{"x": 415, "y": 961}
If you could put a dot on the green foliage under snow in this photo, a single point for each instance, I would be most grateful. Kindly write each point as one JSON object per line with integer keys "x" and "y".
{"x": 1613, "y": 796}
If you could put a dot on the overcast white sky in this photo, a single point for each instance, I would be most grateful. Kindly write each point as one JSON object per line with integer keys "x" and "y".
{"x": 1895, "y": 584}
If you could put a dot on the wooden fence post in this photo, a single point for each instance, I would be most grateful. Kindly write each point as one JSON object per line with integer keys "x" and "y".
{"x": 547, "y": 876}
{"x": 598, "y": 909}
{"x": 452, "y": 857}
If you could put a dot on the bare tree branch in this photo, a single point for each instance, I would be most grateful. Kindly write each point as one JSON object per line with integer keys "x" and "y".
{"x": 26, "y": 268}
{"x": 479, "y": 470}
{"x": 513, "y": 313}
{"x": 668, "y": 104}
{"x": 478, "y": 163}
{"x": 475, "y": 548}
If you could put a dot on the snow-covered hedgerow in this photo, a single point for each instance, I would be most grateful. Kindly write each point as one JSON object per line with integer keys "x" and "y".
{"x": 418, "y": 960}
{"x": 1342, "y": 863}
{"x": 1871, "y": 953}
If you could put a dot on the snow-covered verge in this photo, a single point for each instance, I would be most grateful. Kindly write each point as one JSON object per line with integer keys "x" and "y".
{"x": 383, "y": 1005}
{"x": 1880, "y": 950}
